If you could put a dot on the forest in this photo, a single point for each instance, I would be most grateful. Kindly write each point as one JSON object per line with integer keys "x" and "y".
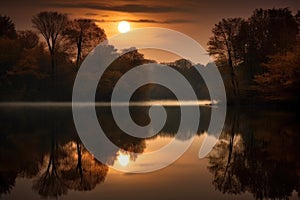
{"x": 258, "y": 58}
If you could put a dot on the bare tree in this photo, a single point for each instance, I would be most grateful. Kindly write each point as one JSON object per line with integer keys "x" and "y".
{"x": 84, "y": 35}
{"x": 50, "y": 25}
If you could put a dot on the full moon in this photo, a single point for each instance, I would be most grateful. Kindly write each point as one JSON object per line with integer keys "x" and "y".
{"x": 123, "y": 27}
{"x": 123, "y": 159}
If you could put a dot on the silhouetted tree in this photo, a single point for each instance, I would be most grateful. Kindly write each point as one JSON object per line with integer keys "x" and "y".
{"x": 9, "y": 47}
{"x": 272, "y": 34}
{"x": 225, "y": 45}
{"x": 116, "y": 69}
{"x": 7, "y": 27}
{"x": 297, "y": 16}
{"x": 28, "y": 39}
{"x": 85, "y": 35}
{"x": 7, "y": 181}
{"x": 10, "y": 52}
{"x": 271, "y": 31}
{"x": 245, "y": 46}
{"x": 51, "y": 25}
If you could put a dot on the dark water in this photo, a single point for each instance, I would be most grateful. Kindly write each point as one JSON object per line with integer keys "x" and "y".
{"x": 257, "y": 157}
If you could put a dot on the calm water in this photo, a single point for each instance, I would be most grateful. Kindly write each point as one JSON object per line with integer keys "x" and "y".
{"x": 257, "y": 157}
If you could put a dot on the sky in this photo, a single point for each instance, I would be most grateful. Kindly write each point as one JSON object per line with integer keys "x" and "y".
{"x": 194, "y": 18}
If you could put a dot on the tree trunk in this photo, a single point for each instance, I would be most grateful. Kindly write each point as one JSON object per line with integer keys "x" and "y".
{"x": 53, "y": 70}
{"x": 234, "y": 81}
{"x": 79, "y": 49}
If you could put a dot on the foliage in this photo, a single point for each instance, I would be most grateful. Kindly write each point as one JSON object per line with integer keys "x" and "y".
{"x": 28, "y": 39}
{"x": 10, "y": 52}
{"x": 7, "y": 27}
{"x": 256, "y": 57}
{"x": 282, "y": 77}
{"x": 82, "y": 35}
{"x": 248, "y": 47}
{"x": 227, "y": 44}
{"x": 116, "y": 70}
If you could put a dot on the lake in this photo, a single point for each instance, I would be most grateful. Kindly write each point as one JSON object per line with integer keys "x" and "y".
{"x": 256, "y": 157}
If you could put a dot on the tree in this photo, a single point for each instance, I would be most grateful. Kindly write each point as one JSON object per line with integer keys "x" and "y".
{"x": 85, "y": 35}
{"x": 7, "y": 181}
{"x": 9, "y": 48}
{"x": 281, "y": 79}
{"x": 28, "y": 39}
{"x": 51, "y": 25}
{"x": 10, "y": 52}
{"x": 245, "y": 46}
{"x": 225, "y": 45}
{"x": 271, "y": 31}
{"x": 297, "y": 16}
{"x": 7, "y": 27}
{"x": 130, "y": 59}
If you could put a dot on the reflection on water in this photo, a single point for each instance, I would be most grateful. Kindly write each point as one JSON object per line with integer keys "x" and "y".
{"x": 258, "y": 153}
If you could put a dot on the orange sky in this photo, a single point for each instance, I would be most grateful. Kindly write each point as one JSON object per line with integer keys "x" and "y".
{"x": 194, "y": 18}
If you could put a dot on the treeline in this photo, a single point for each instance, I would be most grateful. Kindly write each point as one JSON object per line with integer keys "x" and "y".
{"x": 258, "y": 57}
{"x": 41, "y": 65}
{"x": 43, "y": 68}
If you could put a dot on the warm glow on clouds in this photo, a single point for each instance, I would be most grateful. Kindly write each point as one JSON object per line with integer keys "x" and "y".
{"x": 192, "y": 17}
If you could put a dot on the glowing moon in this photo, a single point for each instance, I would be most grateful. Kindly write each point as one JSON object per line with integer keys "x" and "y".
{"x": 124, "y": 27}
{"x": 123, "y": 159}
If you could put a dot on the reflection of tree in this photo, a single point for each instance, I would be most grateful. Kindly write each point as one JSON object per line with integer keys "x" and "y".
{"x": 82, "y": 171}
{"x": 70, "y": 166}
{"x": 7, "y": 181}
{"x": 44, "y": 146}
{"x": 223, "y": 162}
{"x": 119, "y": 137}
{"x": 50, "y": 182}
{"x": 257, "y": 157}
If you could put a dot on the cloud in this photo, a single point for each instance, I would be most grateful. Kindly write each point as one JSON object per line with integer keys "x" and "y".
{"x": 173, "y": 21}
{"x": 178, "y": 21}
{"x": 95, "y": 14}
{"x": 151, "y": 21}
{"x": 90, "y": 14}
{"x": 134, "y": 8}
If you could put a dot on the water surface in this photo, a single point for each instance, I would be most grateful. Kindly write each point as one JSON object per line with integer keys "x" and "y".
{"x": 41, "y": 155}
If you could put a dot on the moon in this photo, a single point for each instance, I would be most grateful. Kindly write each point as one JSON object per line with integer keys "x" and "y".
{"x": 124, "y": 27}
{"x": 123, "y": 159}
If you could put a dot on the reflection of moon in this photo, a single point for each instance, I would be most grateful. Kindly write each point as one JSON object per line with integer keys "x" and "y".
{"x": 123, "y": 159}
{"x": 124, "y": 27}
